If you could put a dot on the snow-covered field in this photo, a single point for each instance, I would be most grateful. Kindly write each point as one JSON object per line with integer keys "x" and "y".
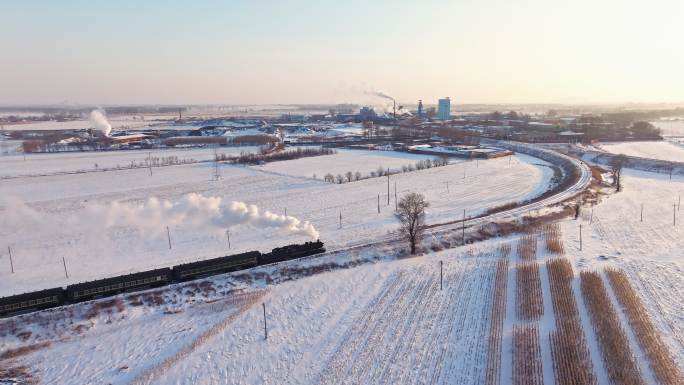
{"x": 344, "y": 161}
{"x": 122, "y": 122}
{"x": 382, "y": 322}
{"x": 69, "y": 162}
{"x": 55, "y": 221}
{"x": 649, "y": 251}
{"x": 674, "y": 127}
{"x": 663, "y": 150}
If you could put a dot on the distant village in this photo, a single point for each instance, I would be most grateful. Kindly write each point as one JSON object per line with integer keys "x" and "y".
{"x": 439, "y": 129}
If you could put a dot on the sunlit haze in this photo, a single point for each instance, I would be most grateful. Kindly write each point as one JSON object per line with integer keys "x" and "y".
{"x": 260, "y": 52}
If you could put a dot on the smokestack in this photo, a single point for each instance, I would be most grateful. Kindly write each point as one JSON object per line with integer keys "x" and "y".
{"x": 394, "y": 109}
{"x": 420, "y": 108}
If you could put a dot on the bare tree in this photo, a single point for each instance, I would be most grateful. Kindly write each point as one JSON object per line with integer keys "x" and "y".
{"x": 411, "y": 212}
{"x": 339, "y": 178}
{"x": 349, "y": 176}
{"x": 616, "y": 165}
{"x": 329, "y": 178}
{"x": 357, "y": 175}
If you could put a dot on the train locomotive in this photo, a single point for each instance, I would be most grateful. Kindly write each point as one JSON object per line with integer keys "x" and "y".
{"x": 79, "y": 292}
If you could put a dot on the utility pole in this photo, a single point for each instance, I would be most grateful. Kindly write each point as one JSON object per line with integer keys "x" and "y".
{"x": 580, "y": 237}
{"x": 340, "y": 219}
{"x": 441, "y": 274}
{"x": 9, "y": 250}
{"x": 265, "y": 328}
{"x": 65, "y": 269}
{"x": 447, "y": 185}
{"x": 285, "y": 211}
{"x": 149, "y": 161}
{"x": 168, "y": 235}
{"x": 396, "y": 202}
{"x": 674, "y": 215}
{"x": 228, "y": 235}
{"x": 388, "y": 190}
{"x": 642, "y": 212}
{"x": 378, "y": 203}
{"x": 463, "y": 227}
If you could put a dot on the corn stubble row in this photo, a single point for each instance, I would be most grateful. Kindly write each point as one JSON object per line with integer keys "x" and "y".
{"x": 572, "y": 363}
{"x": 553, "y": 239}
{"x": 527, "y": 247}
{"x": 493, "y": 372}
{"x": 618, "y": 359}
{"x": 530, "y": 303}
{"x": 659, "y": 357}
{"x": 527, "y": 363}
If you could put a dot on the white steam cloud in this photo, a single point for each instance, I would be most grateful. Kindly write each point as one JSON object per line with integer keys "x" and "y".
{"x": 100, "y": 122}
{"x": 197, "y": 211}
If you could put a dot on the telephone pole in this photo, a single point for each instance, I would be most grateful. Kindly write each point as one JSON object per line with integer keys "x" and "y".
{"x": 168, "y": 235}
{"x": 65, "y": 269}
{"x": 265, "y": 327}
{"x": 9, "y": 250}
{"x": 463, "y": 227}
{"x": 441, "y": 273}
{"x": 388, "y": 189}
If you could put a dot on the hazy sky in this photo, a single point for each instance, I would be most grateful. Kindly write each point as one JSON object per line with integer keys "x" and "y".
{"x": 262, "y": 51}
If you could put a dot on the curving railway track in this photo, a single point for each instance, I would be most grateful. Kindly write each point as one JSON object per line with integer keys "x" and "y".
{"x": 581, "y": 176}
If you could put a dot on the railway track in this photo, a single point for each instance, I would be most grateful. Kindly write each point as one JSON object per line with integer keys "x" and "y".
{"x": 580, "y": 184}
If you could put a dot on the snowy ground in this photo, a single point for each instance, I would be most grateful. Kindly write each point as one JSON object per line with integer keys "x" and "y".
{"x": 386, "y": 322}
{"x": 362, "y": 161}
{"x": 662, "y": 150}
{"x": 381, "y": 323}
{"x": 68, "y": 162}
{"x": 650, "y": 251}
{"x": 54, "y": 225}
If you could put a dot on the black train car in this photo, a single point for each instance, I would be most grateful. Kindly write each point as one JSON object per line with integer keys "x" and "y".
{"x": 215, "y": 266}
{"x": 291, "y": 252}
{"x": 111, "y": 286}
{"x": 31, "y": 301}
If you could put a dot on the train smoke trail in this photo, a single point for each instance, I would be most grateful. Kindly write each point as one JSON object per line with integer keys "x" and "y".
{"x": 197, "y": 211}
{"x": 100, "y": 122}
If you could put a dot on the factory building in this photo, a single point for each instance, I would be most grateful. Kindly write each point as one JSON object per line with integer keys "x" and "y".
{"x": 444, "y": 109}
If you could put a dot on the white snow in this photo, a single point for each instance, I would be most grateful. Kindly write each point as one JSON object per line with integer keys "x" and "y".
{"x": 362, "y": 161}
{"x": 662, "y": 150}
{"x": 92, "y": 251}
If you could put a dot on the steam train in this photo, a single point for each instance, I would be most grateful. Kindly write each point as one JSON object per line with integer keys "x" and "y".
{"x": 107, "y": 287}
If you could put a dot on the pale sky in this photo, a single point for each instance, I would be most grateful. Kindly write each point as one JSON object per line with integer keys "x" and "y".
{"x": 281, "y": 51}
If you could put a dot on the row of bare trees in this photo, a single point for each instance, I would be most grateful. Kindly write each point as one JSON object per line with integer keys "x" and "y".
{"x": 529, "y": 298}
{"x": 350, "y": 176}
{"x": 252, "y": 158}
{"x": 659, "y": 357}
{"x": 572, "y": 363}
{"x": 493, "y": 370}
{"x": 618, "y": 358}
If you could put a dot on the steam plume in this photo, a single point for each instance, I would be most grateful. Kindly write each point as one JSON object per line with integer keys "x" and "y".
{"x": 379, "y": 94}
{"x": 198, "y": 211}
{"x": 99, "y": 120}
